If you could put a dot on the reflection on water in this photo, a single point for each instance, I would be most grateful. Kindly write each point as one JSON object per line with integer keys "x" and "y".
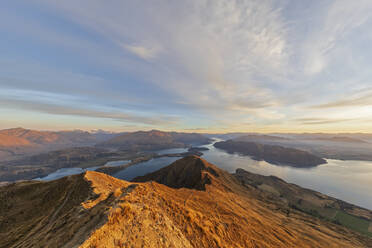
{"x": 143, "y": 168}
{"x": 350, "y": 181}
{"x": 171, "y": 150}
{"x": 65, "y": 172}
{"x": 117, "y": 163}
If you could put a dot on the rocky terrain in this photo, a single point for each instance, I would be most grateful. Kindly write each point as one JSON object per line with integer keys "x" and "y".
{"x": 271, "y": 153}
{"x": 190, "y": 203}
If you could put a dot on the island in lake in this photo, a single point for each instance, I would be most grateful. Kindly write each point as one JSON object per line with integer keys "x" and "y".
{"x": 272, "y": 153}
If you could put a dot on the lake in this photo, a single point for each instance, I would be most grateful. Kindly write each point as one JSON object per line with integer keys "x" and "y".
{"x": 349, "y": 181}
{"x": 117, "y": 163}
{"x": 143, "y": 168}
{"x": 171, "y": 150}
{"x": 65, "y": 172}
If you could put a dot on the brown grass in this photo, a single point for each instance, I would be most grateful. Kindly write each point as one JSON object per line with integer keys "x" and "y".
{"x": 96, "y": 210}
{"x": 224, "y": 215}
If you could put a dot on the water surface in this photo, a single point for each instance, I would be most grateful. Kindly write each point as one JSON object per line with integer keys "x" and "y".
{"x": 117, "y": 163}
{"x": 143, "y": 168}
{"x": 172, "y": 150}
{"x": 349, "y": 180}
{"x": 65, "y": 172}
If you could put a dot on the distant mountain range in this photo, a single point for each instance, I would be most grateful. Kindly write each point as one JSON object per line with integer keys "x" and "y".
{"x": 155, "y": 140}
{"x": 343, "y": 146}
{"x": 335, "y": 137}
{"x": 190, "y": 203}
{"x": 29, "y": 154}
{"x": 33, "y": 138}
{"x": 17, "y": 142}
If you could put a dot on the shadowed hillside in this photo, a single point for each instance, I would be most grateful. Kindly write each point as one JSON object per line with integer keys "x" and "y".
{"x": 203, "y": 207}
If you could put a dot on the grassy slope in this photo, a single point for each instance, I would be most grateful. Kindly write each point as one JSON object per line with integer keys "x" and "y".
{"x": 101, "y": 211}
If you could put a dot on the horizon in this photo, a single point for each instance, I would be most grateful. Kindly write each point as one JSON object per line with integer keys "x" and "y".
{"x": 279, "y": 66}
{"x": 197, "y": 123}
{"x": 162, "y": 130}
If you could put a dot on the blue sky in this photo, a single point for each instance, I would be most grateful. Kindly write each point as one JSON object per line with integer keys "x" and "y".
{"x": 194, "y": 65}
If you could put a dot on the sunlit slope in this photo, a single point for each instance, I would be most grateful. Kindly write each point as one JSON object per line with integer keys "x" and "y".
{"x": 202, "y": 206}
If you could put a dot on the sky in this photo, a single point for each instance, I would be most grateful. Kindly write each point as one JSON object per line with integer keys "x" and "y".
{"x": 193, "y": 65}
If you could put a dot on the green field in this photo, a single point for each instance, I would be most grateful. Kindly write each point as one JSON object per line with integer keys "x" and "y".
{"x": 352, "y": 222}
{"x": 355, "y": 223}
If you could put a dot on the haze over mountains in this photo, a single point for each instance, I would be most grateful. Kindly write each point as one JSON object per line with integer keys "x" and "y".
{"x": 155, "y": 140}
{"x": 27, "y": 154}
{"x": 213, "y": 123}
{"x": 45, "y": 152}
{"x": 190, "y": 203}
{"x": 344, "y": 146}
{"x": 17, "y": 142}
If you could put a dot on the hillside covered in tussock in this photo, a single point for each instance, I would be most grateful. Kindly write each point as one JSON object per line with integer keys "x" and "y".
{"x": 190, "y": 203}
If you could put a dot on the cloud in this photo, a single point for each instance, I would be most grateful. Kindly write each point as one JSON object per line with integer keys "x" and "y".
{"x": 356, "y": 100}
{"x": 333, "y": 28}
{"x": 79, "y": 110}
{"x": 142, "y": 51}
{"x": 215, "y": 50}
{"x": 260, "y": 61}
{"x": 320, "y": 121}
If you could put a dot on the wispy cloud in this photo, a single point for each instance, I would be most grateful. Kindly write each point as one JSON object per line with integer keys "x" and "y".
{"x": 320, "y": 121}
{"x": 215, "y": 62}
{"x": 142, "y": 51}
{"x": 360, "y": 99}
{"x": 215, "y": 50}
{"x": 57, "y": 104}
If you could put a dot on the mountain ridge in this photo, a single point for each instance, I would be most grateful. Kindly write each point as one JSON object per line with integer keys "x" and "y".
{"x": 96, "y": 210}
{"x": 190, "y": 172}
{"x": 19, "y": 142}
{"x": 154, "y": 140}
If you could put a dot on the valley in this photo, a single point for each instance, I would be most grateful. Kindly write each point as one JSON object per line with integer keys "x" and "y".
{"x": 136, "y": 147}
{"x": 336, "y": 178}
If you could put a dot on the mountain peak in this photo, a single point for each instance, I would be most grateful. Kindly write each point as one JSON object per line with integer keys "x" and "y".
{"x": 190, "y": 172}
{"x": 96, "y": 210}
